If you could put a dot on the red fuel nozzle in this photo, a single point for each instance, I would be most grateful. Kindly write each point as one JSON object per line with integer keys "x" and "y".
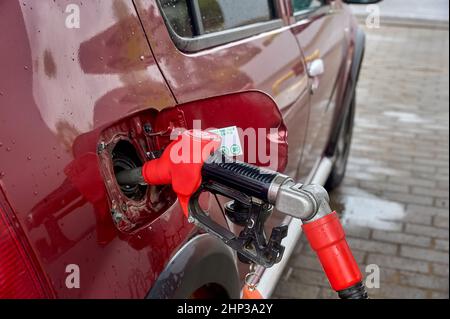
{"x": 181, "y": 164}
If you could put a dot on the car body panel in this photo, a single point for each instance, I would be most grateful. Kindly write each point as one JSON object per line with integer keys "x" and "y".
{"x": 325, "y": 36}
{"x": 64, "y": 86}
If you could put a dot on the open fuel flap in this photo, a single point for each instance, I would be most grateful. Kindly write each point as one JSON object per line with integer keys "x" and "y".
{"x": 144, "y": 136}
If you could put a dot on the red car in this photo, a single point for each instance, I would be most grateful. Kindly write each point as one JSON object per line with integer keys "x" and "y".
{"x": 90, "y": 88}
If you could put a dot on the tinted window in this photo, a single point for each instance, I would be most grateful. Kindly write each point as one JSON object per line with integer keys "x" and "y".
{"x": 189, "y": 18}
{"x": 302, "y": 5}
{"x": 178, "y": 15}
{"x": 219, "y": 15}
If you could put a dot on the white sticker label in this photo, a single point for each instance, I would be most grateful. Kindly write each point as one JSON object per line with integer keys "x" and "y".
{"x": 231, "y": 144}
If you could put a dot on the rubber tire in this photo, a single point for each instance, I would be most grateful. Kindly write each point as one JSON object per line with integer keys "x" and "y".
{"x": 342, "y": 151}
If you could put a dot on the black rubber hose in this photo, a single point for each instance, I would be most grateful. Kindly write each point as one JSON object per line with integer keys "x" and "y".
{"x": 356, "y": 292}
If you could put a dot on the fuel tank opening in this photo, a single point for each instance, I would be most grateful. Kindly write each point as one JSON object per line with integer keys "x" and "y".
{"x": 125, "y": 157}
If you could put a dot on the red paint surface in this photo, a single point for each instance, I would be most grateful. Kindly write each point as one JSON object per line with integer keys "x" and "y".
{"x": 49, "y": 128}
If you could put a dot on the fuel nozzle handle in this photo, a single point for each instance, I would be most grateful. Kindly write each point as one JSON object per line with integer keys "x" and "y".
{"x": 309, "y": 203}
{"x": 245, "y": 178}
{"x": 248, "y": 179}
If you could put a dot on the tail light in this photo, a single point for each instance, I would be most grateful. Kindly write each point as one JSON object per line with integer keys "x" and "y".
{"x": 19, "y": 277}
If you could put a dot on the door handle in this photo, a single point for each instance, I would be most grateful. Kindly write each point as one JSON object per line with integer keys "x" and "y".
{"x": 316, "y": 68}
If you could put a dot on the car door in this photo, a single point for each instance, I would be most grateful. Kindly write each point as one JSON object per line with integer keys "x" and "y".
{"x": 60, "y": 87}
{"x": 208, "y": 48}
{"x": 320, "y": 29}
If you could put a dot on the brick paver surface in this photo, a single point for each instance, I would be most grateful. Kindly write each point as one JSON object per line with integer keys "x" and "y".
{"x": 395, "y": 198}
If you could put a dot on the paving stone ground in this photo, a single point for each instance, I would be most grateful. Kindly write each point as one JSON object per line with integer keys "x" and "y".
{"x": 395, "y": 197}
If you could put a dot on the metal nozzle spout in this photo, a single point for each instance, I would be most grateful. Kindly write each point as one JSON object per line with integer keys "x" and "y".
{"x": 131, "y": 177}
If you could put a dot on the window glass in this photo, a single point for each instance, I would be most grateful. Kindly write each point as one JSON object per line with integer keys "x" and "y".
{"x": 218, "y": 15}
{"x": 177, "y": 14}
{"x": 190, "y": 18}
{"x": 302, "y": 5}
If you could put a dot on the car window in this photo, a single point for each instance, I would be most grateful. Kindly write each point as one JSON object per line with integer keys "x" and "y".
{"x": 219, "y": 15}
{"x": 177, "y": 13}
{"x": 306, "y": 5}
{"x": 190, "y": 18}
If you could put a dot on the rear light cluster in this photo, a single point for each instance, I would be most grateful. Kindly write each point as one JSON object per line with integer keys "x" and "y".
{"x": 18, "y": 276}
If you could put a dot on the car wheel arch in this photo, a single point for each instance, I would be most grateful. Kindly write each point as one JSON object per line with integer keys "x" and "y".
{"x": 202, "y": 261}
